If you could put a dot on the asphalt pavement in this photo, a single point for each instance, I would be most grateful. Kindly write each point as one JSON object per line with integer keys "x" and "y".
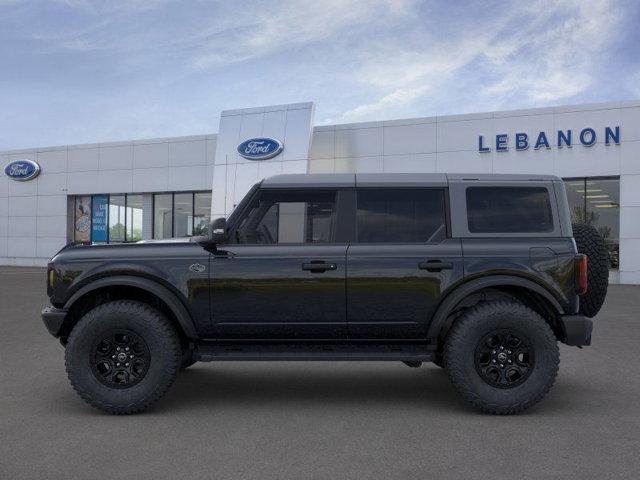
{"x": 316, "y": 420}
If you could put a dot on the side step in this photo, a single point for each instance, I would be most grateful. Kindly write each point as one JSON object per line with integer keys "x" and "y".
{"x": 398, "y": 352}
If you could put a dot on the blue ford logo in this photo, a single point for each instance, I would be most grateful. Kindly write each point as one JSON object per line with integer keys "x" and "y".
{"x": 260, "y": 148}
{"x": 22, "y": 170}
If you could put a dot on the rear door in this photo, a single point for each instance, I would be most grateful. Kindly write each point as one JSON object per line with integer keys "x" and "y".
{"x": 400, "y": 263}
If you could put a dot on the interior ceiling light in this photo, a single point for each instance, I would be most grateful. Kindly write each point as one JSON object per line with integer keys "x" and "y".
{"x": 597, "y": 196}
{"x": 589, "y": 190}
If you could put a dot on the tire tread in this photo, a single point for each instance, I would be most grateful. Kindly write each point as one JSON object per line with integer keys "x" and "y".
{"x": 457, "y": 375}
{"x": 590, "y": 242}
{"x": 164, "y": 329}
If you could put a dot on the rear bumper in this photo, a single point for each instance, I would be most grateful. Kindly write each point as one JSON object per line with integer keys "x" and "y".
{"x": 576, "y": 330}
{"x": 53, "y": 319}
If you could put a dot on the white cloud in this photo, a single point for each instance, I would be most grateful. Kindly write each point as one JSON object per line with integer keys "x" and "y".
{"x": 543, "y": 51}
{"x": 556, "y": 63}
{"x": 164, "y": 67}
{"x": 397, "y": 98}
{"x": 253, "y": 33}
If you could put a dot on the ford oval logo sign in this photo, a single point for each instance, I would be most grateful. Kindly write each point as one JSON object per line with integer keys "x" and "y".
{"x": 260, "y": 148}
{"x": 22, "y": 170}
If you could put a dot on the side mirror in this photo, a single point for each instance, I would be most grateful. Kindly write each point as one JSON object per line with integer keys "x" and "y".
{"x": 218, "y": 231}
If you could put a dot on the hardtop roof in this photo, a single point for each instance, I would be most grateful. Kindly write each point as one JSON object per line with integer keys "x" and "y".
{"x": 345, "y": 180}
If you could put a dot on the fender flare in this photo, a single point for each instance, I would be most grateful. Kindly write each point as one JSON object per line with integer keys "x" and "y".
{"x": 167, "y": 296}
{"x": 472, "y": 286}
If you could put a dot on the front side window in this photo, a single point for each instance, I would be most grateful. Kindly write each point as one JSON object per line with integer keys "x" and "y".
{"x": 289, "y": 217}
{"x": 401, "y": 216}
{"x": 509, "y": 210}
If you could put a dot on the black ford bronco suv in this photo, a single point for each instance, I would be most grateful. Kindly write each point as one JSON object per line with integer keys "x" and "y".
{"x": 479, "y": 274}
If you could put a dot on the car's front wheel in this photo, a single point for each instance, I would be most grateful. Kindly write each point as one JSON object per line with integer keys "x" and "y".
{"x": 502, "y": 357}
{"x": 122, "y": 356}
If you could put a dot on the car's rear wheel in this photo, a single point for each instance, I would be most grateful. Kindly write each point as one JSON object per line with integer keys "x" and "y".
{"x": 502, "y": 357}
{"x": 122, "y": 356}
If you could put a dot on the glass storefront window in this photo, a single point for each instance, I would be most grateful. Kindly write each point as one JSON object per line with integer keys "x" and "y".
{"x": 82, "y": 219}
{"x": 201, "y": 212}
{"x": 162, "y": 215}
{"x": 183, "y": 214}
{"x": 99, "y": 216}
{"x": 134, "y": 218}
{"x": 117, "y": 218}
{"x": 596, "y": 202}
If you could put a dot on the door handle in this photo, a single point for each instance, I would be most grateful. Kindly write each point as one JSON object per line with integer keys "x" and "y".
{"x": 435, "y": 266}
{"x": 318, "y": 267}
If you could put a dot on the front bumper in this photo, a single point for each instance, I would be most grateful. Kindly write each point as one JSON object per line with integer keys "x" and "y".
{"x": 576, "y": 330}
{"x": 53, "y": 319}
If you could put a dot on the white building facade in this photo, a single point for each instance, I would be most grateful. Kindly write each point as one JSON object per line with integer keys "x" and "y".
{"x": 171, "y": 187}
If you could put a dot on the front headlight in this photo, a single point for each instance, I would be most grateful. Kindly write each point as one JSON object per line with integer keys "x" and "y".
{"x": 51, "y": 278}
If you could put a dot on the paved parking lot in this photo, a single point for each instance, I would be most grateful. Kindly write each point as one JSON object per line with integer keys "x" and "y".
{"x": 316, "y": 420}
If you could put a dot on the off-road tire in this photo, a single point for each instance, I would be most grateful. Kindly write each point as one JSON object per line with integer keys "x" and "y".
{"x": 164, "y": 355}
{"x": 590, "y": 242}
{"x": 460, "y": 356}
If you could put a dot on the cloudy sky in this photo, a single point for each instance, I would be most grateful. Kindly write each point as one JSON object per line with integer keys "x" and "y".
{"x": 80, "y": 71}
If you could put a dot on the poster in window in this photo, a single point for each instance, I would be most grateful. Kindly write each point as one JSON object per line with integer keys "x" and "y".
{"x": 82, "y": 219}
{"x": 99, "y": 208}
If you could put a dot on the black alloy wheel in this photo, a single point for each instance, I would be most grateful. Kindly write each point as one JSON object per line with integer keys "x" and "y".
{"x": 120, "y": 359}
{"x": 504, "y": 358}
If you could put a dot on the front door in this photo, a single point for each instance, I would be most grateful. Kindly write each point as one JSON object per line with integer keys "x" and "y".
{"x": 401, "y": 262}
{"x": 281, "y": 276}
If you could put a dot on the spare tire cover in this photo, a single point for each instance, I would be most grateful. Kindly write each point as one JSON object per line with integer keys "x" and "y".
{"x": 590, "y": 242}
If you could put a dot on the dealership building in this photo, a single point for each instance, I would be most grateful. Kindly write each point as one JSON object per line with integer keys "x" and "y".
{"x": 171, "y": 187}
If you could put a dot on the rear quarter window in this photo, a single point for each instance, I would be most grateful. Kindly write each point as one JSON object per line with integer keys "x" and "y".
{"x": 509, "y": 210}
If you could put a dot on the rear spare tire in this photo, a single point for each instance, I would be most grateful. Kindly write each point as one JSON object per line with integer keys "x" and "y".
{"x": 590, "y": 242}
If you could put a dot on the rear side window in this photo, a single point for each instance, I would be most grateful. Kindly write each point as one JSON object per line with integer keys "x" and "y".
{"x": 509, "y": 210}
{"x": 401, "y": 216}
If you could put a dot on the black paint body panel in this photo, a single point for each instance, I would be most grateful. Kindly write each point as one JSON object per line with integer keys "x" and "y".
{"x": 377, "y": 292}
{"x": 262, "y": 291}
{"x": 548, "y": 262}
{"x": 389, "y": 296}
{"x": 167, "y": 264}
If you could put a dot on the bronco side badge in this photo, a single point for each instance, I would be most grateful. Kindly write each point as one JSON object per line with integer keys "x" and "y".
{"x": 196, "y": 267}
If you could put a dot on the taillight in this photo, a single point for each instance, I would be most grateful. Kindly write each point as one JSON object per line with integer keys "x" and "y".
{"x": 581, "y": 274}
